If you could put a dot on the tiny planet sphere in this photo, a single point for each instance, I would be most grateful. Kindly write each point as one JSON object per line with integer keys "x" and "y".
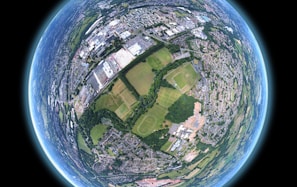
{"x": 147, "y": 93}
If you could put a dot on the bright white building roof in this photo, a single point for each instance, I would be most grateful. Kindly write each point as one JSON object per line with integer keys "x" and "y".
{"x": 125, "y": 34}
{"x": 123, "y": 57}
{"x": 114, "y": 22}
{"x": 135, "y": 49}
{"x": 108, "y": 71}
{"x": 169, "y": 33}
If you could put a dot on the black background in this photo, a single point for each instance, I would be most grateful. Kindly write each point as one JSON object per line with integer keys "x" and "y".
{"x": 26, "y": 19}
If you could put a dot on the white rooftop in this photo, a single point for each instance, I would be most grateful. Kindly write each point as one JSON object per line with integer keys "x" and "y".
{"x": 135, "y": 49}
{"x": 123, "y": 57}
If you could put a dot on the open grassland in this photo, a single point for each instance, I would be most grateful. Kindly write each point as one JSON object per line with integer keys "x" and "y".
{"x": 82, "y": 144}
{"x": 97, "y": 132}
{"x": 150, "y": 121}
{"x": 128, "y": 98}
{"x": 159, "y": 59}
{"x": 174, "y": 174}
{"x": 141, "y": 77}
{"x": 167, "y": 96}
{"x": 119, "y": 100}
{"x": 183, "y": 78}
{"x": 122, "y": 111}
{"x": 166, "y": 146}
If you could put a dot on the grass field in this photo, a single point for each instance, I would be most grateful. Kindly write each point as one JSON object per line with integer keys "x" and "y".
{"x": 193, "y": 173}
{"x": 108, "y": 101}
{"x": 180, "y": 80}
{"x": 128, "y": 98}
{"x": 118, "y": 87}
{"x": 183, "y": 78}
{"x": 122, "y": 111}
{"x": 97, "y": 132}
{"x": 154, "y": 118}
{"x": 82, "y": 144}
{"x": 159, "y": 59}
{"x": 141, "y": 77}
{"x": 167, "y": 96}
{"x": 209, "y": 157}
{"x": 166, "y": 146}
{"x": 151, "y": 121}
{"x": 174, "y": 174}
{"x": 119, "y": 100}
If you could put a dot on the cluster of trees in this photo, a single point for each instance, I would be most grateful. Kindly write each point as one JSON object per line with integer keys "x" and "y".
{"x": 157, "y": 139}
{"x": 90, "y": 118}
{"x": 113, "y": 46}
{"x": 202, "y": 146}
{"x": 181, "y": 109}
{"x": 173, "y": 48}
{"x": 165, "y": 83}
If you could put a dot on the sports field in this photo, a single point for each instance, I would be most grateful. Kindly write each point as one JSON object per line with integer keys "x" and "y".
{"x": 97, "y": 132}
{"x": 141, "y": 77}
{"x": 159, "y": 59}
{"x": 167, "y": 96}
{"x": 119, "y": 100}
{"x": 151, "y": 121}
{"x": 127, "y": 97}
{"x": 122, "y": 111}
{"x": 154, "y": 118}
{"x": 183, "y": 78}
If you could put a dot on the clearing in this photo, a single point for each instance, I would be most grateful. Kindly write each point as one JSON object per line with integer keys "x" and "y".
{"x": 141, "y": 78}
{"x": 150, "y": 121}
{"x": 183, "y": 78}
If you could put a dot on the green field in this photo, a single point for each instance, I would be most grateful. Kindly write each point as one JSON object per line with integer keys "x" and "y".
{"x": 167, "y": 96}
{"x": 61, "y": 116}
{"x": 166, "y": 146}
{"x": 141, "y": 77}
{"x": 159, "y": 59}
{"x": 209, "y": 157}
{"x": 128, "y": 98}
{"x": 97, "y": 132}
{"x": 108, "y": 101}
{"x": 122, "y": 111}
{"x": 183, "y": 78}
{"x": 150, "y": 121}
{"x": 180, "y": 80}
{"x": 154, "y": 118}
{"x": 119, "y": 100}
{"x": 174, "y": 174}
{"x": 82, "y": 144}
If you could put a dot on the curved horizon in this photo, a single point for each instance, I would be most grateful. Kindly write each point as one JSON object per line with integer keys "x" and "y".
{"x": 231, "y": 175}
